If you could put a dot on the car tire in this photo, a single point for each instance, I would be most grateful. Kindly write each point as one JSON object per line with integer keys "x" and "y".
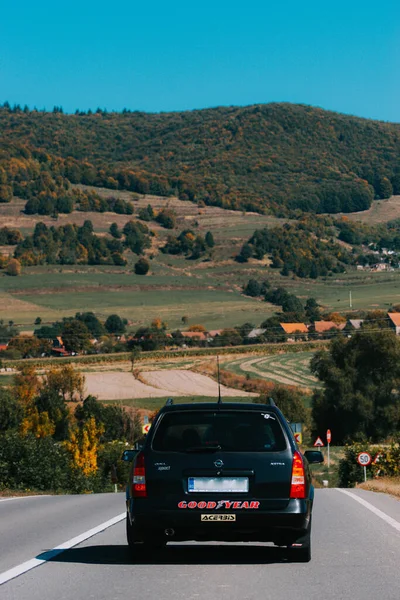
{"x": 146, "y": 546}
{"x": 154, "y": 546}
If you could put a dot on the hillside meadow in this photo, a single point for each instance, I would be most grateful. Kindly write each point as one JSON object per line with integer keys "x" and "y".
{"x": 208, "y": 293}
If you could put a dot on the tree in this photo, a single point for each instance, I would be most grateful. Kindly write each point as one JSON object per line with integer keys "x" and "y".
{"x": 83, "y": 445}
{"x": 146, "y": 214}
{"x": 93, "y": 324}
{"x": 38, "y": 321}
{"x": 48, "y": 332}
{"x": 7, "y": 332}
{"x": 65, "y": 382}
{"x": 135, "y": 353}
{"x": 252, "y": 288}
{"x": 116, "y": 422}
{"x": 142, "y": 267}
{"x": 362, "y": 381}
{"x": 312, "y": 310}
{"x": 384, "y": 187}
{"x": 292, "y": 304}
{"x": 13, "y": 268}
{"x": 11, "y": 411}
{"x": 245, "y": 253}
{"x": 6, "y": 193}
{"x": 114, "y": 324}
{"x": 209, "y": 239}
{"x": 228, "y": 337}
{"x": 167, "y": 218}
{"x": 30, "y": 346}
{"x": 290, "y": 401}
{"x": 75, "y": 335}
{"x": 159, "y": 325}
{"x": 114, "y": 231}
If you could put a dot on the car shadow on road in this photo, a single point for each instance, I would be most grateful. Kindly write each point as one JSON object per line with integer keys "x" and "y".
{"x": 188, "y": 554}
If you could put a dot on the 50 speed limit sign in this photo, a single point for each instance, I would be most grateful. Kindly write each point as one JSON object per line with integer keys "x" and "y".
{"x": 364, "y": 459}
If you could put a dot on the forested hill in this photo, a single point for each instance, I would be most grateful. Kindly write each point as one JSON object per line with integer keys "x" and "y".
{"x": 268, "y": 158}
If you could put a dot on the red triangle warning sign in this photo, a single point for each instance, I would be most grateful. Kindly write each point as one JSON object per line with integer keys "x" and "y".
{"x": 318, "y": 442}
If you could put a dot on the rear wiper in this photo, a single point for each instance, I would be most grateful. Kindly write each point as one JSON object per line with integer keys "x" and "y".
{"x": 203, "y": 448}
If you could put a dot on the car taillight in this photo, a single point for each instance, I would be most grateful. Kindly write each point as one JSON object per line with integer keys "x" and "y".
{"x": 139, "y": 478}
{"x": 298, "y": 483}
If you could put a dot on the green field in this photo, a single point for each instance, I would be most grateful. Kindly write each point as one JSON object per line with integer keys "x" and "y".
{"x": 214, "y": 309}
{"x": 286, "y": 369}
{"x": 207, "y": 294}
{"x": 207, "y": 290}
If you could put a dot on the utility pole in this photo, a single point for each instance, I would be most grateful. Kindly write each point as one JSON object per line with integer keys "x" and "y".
{"x": 350, "y": 301}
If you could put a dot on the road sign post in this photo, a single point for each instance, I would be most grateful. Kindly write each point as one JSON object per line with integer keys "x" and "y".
{"x": 364, "y": 459}
{"x": 328, "y": 441}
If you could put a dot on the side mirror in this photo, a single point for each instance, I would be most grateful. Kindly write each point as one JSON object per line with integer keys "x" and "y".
{"x": 314, "y": 456}
{"x": 128, "y": 455}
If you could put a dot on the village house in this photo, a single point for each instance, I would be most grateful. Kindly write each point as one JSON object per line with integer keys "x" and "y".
{"x": 58, "y": 348}
{"x": 255, "y": 333}
{"x": 194, "y": 335}
{"x": 295, "y": 330}
{"x": 355, "y": 323}
{"x": 213, "y": 333}
{"x": 323, "y": 327}
{"x": 394, "y": 320}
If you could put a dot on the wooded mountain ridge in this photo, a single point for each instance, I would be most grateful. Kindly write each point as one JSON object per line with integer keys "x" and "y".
{"x": 275, "y": 158}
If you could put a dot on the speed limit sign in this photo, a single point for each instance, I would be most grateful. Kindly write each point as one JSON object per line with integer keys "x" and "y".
{"x": 364, "y": 459}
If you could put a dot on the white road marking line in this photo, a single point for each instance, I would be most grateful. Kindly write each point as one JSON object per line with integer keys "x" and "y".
{"x": 46, "y": 556}
{"x": 372, "y": 508}
{"x": 23, "y": 497}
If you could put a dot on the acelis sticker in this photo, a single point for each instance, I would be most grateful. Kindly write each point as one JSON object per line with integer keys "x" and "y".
{"x": 211, "y": 505}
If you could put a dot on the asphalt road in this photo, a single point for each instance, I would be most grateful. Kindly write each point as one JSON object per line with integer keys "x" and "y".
{"x": 356, "y": 555}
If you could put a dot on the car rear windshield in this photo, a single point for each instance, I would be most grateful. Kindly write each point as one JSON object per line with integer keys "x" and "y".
{"x": 228, "y": 431}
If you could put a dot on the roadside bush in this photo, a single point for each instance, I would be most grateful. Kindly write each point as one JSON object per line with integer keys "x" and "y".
{"x": 387, "y": 462}
{"x": 32, "y": 463}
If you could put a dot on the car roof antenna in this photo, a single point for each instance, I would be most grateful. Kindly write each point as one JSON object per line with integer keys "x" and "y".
{"x": 219, "y": 382}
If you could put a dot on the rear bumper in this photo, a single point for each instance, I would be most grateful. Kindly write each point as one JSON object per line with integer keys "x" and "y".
{"x": 273, "y": 526}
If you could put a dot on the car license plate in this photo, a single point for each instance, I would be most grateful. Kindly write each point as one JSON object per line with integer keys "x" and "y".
{"x": 218, "y": 517}
{"x": 218, "y": 484}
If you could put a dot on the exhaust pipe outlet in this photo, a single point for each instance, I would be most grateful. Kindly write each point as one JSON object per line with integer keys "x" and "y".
{"x": 169, "y": 532}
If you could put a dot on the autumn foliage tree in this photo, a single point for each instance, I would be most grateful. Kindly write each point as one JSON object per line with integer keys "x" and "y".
{"x": 13, "y": 268}
{"x": 83, "y": 446}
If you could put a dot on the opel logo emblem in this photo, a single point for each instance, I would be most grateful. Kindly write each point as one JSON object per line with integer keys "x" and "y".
{"x": 218, "y": 463}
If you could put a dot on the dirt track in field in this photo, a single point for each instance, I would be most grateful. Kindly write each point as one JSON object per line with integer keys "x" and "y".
{"x": 113, "y": 385}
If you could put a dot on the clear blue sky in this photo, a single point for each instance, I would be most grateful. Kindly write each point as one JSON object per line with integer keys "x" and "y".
{"x": 163, "y": 56}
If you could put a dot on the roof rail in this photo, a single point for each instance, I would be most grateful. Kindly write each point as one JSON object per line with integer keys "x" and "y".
{"x": 169, "y": 402}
